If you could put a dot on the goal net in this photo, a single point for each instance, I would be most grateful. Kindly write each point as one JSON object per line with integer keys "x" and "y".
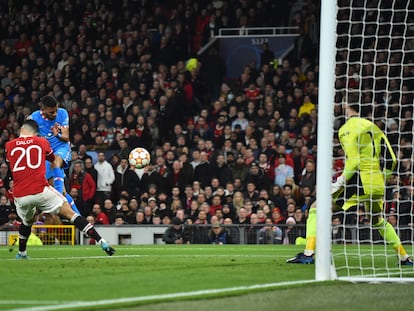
{"x": 375, "y": 60}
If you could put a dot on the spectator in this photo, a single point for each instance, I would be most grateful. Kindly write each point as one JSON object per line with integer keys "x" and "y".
{"x": 219, "y": 235}
{"x": 100, "y": 217}
{"x": 119, "y": 220}
{"x": 139, "y": 217}
{"x": 221, "y": 171}
{"x": 84, "y": 183}
{"x": 110, "y": 210}
{"x": 105, "y": 178}
{"x": 124, "y": 149}
{"x": 148, "y": 211}
{"x": 242, "y": 218}
{"x": 89, "y": 168}
{"x": 290, "y": 234}
{"x": 252, "y": 230}
{"x": 306, "y": 107}
{"x": 277, "y": 216}
{"x": 282, "y": 171}
{"x": 176, "y": 233}
{"x": 229, "y": 213}
{"x": 80, "y": 204}
{"x": 215, "y": 205}
{"x": 257, "y": 177}
{"x": 309, "y": 176}
{"x": 203, "y": 171}
{"x": 251, "y": 193}
{"x": 267, "y": 56}
{"x": 239, "y": 168}
{"x": 178, "y": 177}
{"x": 126, "y": 182}
{"x": 240, "y": 121}
{"x": 233, "y": 230}
{"x": 5, "y": 175}
{"x": 269, "y": 234}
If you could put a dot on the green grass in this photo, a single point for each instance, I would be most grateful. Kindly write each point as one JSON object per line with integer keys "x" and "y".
{"x": 141, "y": 277}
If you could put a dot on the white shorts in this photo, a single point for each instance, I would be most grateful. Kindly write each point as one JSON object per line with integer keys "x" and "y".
{"x": 49, "y": 201}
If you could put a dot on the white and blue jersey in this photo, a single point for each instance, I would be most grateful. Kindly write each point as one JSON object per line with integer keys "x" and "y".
{"x": 60, "y": 148}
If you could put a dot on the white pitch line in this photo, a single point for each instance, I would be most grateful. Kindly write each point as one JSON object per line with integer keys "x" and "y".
{"x": 159, "y": 298}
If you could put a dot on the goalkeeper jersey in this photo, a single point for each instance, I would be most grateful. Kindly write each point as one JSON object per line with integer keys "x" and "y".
{"x": 361, "y": 141}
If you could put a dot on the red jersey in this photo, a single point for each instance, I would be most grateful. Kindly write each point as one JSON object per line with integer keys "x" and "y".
{"x": 102, "y": 219}
{"x": 27, "y": 158}
{"x": 252, "y": 94}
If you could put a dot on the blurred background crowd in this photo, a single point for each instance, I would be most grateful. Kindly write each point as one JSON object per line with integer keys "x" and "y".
{"x": 239, "y": 150}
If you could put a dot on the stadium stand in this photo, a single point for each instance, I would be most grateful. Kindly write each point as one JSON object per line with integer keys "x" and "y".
{"x": 129, "y": 75}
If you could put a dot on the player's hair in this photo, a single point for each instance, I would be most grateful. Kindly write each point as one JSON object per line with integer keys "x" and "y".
{"x": 353, "y": 101}
{"x": 49, "y": 101}
{"x": 31, "y": 125}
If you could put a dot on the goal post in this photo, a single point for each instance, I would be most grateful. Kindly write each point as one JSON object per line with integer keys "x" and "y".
{"x": 366, "y": 47}
{"x": 325, "y": 133}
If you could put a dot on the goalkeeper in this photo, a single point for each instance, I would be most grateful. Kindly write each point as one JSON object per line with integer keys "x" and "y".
{"x": 362, "y": 181}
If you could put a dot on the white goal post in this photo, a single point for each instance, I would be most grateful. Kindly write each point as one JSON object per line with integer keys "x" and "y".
{"x": 366, "y": 46}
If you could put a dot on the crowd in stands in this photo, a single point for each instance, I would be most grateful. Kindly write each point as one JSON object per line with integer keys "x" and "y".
{"x": 223, "y": 151}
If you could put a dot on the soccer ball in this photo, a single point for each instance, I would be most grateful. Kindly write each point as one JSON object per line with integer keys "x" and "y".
{"x": 139, "y": 157}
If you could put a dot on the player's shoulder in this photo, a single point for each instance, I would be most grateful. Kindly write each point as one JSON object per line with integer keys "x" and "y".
{"x": 35, "y": 115}
{"x": 40, "y": 140}
{"x": 62, "y": 115}
{"x": 354, "y": 124}
{"x": 8, "y": 144}
{"x": 62, "y": 112}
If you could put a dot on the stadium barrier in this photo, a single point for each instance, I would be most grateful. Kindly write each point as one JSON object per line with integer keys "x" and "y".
{"x": 199, "y": 234}
{"x": 48, "y": 234}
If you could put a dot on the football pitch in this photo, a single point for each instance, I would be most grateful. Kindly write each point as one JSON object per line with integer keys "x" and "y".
{"x": 184, "y": 277}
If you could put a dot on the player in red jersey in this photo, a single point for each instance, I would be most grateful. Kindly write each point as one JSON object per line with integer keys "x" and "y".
{"x": 27, "y": 156}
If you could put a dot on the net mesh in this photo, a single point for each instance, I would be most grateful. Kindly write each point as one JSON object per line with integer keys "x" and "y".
{"x": 375, "y": 61}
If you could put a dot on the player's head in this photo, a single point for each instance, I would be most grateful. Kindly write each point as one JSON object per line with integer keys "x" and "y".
{"x": 49, "y": 106}
{"x": 29, "y": 127}
{"x": 351, "y": 103}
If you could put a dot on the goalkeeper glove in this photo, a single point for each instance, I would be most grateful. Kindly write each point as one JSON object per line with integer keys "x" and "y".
{"x": 340, "y": 182}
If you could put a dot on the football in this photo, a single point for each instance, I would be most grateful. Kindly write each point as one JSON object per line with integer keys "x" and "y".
{"x": 139, "y": 157}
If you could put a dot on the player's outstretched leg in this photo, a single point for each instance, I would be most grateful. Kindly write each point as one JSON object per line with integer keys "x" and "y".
{"x": 307, "y": 257}
{"x": 57, "y": 175}
{"x": 59, "y": 179}
{"x": 387, "y": 231}
{"x": 24, "y": 233}
{"x": 72, "y": 203}
{"x": 82, "y": 224}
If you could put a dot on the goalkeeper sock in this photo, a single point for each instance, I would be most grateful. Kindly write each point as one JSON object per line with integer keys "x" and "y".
{"x": 83, "y": 225}
{"x": 58, "y": 179}
{"x": 72, "y": 203}
{"x": 388, "y": 233}
{"x": 310, "y": 232}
